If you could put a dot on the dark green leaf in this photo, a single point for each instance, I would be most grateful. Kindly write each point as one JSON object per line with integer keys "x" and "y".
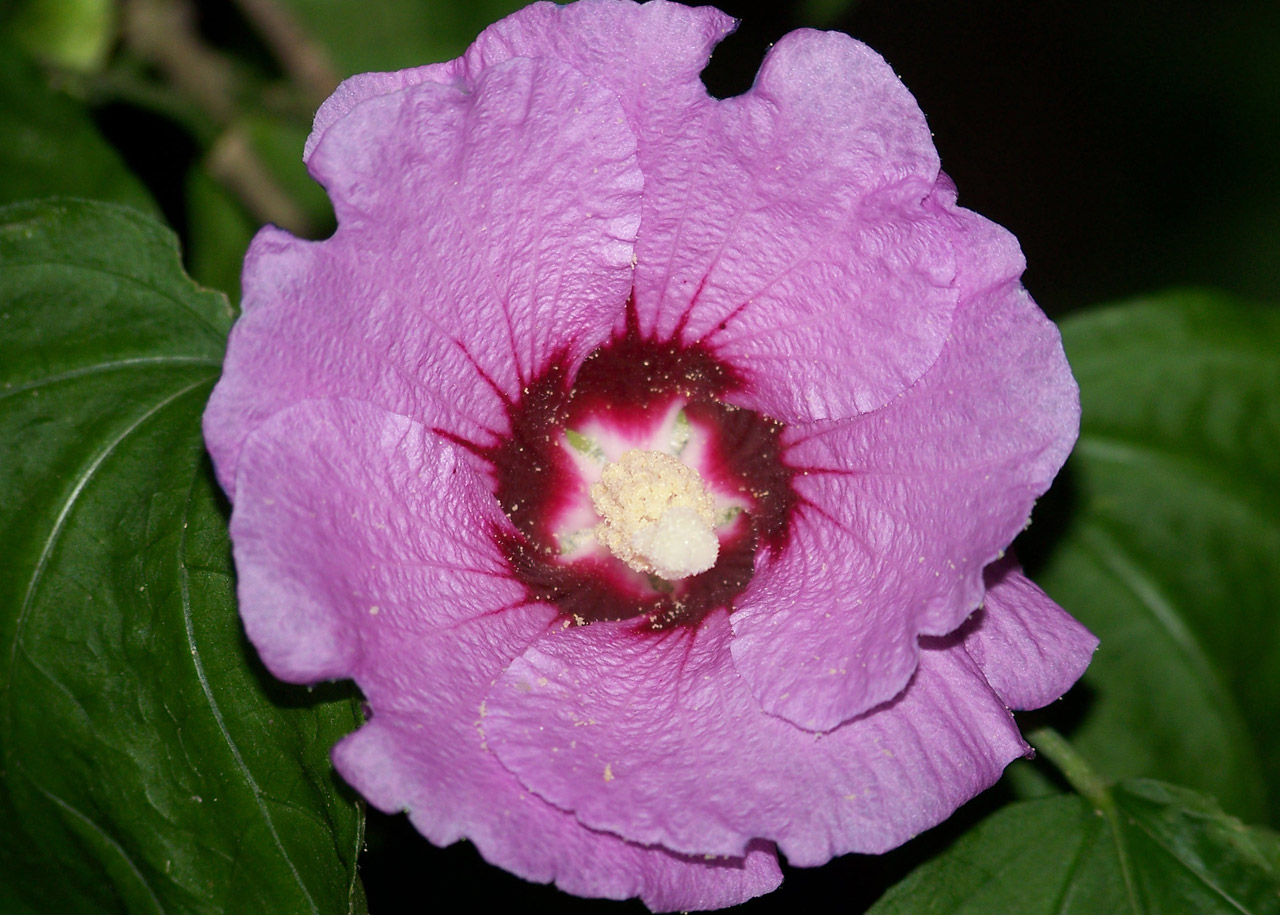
{"x": 148, "y": 765}
{"x": 218, "y": 233}
{"x": 1155, "y": 849}
{"x": 50, "y": 146}
{"x": 1172, "y": 550}
{"x": 69, "y": 33}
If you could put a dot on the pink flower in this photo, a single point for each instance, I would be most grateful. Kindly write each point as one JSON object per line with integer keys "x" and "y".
{"x": 782, "y": 623}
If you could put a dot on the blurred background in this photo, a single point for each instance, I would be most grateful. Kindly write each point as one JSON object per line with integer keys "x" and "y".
{"x": 1129, "y": 146}
{"x": 1129, "y": 150}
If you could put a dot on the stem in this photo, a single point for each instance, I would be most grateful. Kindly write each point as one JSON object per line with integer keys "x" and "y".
{"x": 305, "y": 60}
{"x": 1087, "y": 783}
{"x": 233, "y": 164}
{"x": 163, "y": 33}
{"x": 1096, "y": 790}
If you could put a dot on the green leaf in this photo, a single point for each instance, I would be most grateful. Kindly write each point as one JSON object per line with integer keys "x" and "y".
{"x": 1155, "y": 849}
{"x": 71, "y": 33}
{"x": 1171, "y": 552}
{"x": 148, "y": 764}
{"x": 51, "y": 147}
{"x": 218, "y": 233}
{"x": 394, "y": 34}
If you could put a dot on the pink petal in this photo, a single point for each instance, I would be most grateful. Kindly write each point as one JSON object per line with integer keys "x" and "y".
{"x": 483, "y": 234}
{"x": 356, "y": 89}
{"x": 657, "y": 738}
{"x": 651, "y": 55}
{"x": 363, "y": 548}
{"x": 987, "y": 254}
{"x": 793, "y": 229}
{"x": 423, "y": 754}
{"x": 902, "y": 510}
{"x": 655, "y": 50}
{"x": 350, "y": 521}
{"x": 1030, "y": 650}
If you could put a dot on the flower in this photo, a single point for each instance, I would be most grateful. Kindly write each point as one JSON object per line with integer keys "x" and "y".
{"x": 648, "y": 459}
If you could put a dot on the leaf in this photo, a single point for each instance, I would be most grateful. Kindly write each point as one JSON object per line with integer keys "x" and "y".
{"x": 148, "y": 764}
{"x": 1171, "y": 552}
{"x": 1156, "y": 849}
{"x": 51, "y": 146}
{"x": 71, "y": 33}
{"x": 218, "y": 233}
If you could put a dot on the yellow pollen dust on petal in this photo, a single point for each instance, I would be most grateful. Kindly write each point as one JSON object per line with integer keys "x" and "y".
{"x": 656, "y": 515}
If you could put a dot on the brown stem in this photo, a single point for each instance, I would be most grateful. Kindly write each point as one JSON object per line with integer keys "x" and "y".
{"x": 305, "y": 60}
{"x": 233, "y": 164}
{"x": 163, "y": 32}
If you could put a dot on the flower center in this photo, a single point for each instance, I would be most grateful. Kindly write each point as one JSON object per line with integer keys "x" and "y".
{"x": 634, "y": 488}
{"x": 656, "y": 515}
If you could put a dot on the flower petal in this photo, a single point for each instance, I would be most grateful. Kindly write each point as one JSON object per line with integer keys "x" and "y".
{"x": 363, "y": 549}
{"x": 1030, "y": 650}
{"x": 901, "y": 511}
{"x": 642, "y": 51}
{"x": 483, "y": 233}
{"x": 649, "y": 54}
{"x": 792, "y": 228}
{"x": 656, "y": 737}
{"x": 441, "y": 779}
{"x": 355, "y": 89}
{"x": 421, "y": 753}
{"x": 350, "y": 521}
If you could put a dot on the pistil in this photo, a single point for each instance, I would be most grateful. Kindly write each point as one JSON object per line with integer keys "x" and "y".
{"x": 656, "y": 515}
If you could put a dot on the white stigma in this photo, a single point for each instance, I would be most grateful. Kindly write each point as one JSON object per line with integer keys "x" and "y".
{"x": 657, "y": 515}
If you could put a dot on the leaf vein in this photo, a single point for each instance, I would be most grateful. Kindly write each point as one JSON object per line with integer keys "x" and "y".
{"x": 113, "y": 366}
{"x": 46, "y": 551}
{"x": 1195, "y": 872}
{"x": 216, "y": 711}
{"x": 1064, "y": 893}
{"x": 98, "y": 830}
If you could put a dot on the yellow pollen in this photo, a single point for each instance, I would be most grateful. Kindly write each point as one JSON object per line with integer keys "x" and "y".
{"x": 656, "y": 515}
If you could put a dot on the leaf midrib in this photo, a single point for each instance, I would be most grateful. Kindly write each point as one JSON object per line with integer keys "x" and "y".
{"x": 188, "y": 621}
{"x": 55, "y": 533}
{"x": 1109, "y": 553}
{"x": 98, "y": 368}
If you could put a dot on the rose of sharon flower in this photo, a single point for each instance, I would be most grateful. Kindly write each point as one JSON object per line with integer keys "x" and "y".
{"x": 647, "y": 458}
